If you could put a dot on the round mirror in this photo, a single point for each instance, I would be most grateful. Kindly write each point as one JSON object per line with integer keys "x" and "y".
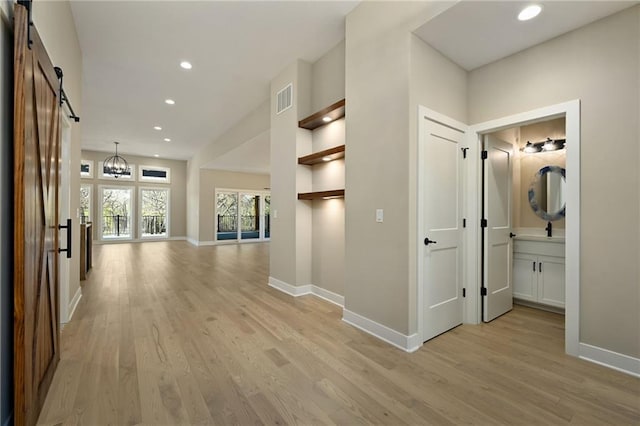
{"x": 547, "y": 193}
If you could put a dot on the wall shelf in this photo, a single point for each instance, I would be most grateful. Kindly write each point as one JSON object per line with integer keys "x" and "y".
{"x": 319, "y": 157}
{"x": 337, "y": 193}
{"x": 314, "y": 121}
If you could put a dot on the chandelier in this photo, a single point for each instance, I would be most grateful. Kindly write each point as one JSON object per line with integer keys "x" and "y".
{"x": 116, "y": 165}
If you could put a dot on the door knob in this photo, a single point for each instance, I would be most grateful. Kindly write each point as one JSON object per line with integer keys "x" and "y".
{"x": 511, "y": 235}
{"x": 427, "y": 241}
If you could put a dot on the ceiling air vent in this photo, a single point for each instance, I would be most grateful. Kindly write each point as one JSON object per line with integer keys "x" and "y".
{"x": 285, "y": 99}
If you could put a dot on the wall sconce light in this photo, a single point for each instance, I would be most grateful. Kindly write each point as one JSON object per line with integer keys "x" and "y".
{"x": 544, "y": 146}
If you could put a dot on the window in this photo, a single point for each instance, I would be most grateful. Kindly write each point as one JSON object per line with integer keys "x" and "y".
{"x": 154, "y": 212}
{"x": 267, "y": 217}
{"x": 129, "y": 176}
{"x": 227, "y": 215}
{"x": 249, "y": 216}
{"x": 86, "y": 169}
{"x": 242, "y": 215}
{"x": 154, "y": 174}
{"x": 116, "y": 213}
{"x": 85, "y": 203}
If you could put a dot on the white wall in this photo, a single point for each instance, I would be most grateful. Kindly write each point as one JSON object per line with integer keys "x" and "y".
{"x": 290, "y": 259}
{"x": 598, "y": 64}
{"x": 327, "y": 78}
{"x": 6, "y": 213}
{"x": 380, "y": 160}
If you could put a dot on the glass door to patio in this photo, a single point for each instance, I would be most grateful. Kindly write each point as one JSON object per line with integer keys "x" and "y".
{"x": 242, "y": 216}
{"x": 116, "y": 213}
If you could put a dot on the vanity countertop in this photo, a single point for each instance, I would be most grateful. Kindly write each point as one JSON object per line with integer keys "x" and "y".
{"x": 559, "y": 239}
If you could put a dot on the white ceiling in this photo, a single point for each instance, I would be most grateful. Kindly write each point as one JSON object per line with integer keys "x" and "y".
{"x": 476, "y": 33}
{"x": 131, "y": 55}
{"x": 253, "y": 156}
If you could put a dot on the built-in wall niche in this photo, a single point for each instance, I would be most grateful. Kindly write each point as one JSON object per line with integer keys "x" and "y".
{"x": 313, "y": 122}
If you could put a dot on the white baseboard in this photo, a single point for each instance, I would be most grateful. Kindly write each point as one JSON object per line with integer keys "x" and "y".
{"x": 327, "y": 295}
{"x": 401, "y": 341}
{"x": 192, "y": 241}
{"x": 620, "y": 362}
{"x": 407, "y": 343}
{"x": 303, "y": 290}
{"x": 291, "y": 290}
{"x": 74, "y": 302}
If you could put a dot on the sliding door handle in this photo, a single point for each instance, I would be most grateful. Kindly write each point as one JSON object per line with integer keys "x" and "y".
{"x": 69, "y": 239}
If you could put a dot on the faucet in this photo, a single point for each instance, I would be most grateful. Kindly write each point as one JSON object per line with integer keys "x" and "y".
{"x": 548, "y": 229}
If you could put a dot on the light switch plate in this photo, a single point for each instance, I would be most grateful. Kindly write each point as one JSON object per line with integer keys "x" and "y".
{"x": 379, "y": 215}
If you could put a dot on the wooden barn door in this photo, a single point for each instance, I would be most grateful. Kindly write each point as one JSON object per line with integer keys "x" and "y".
{"x": 36, "y": 173}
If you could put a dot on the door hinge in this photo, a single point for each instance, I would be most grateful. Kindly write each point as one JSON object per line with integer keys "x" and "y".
{"x": 485, "y": 155}
{"x": 464, "y": 152}
{"x": 464, "y": 223}
{"x": 483, "y": 291}
{"x": 464, "y": 292}
{"x": 483, "y": 223}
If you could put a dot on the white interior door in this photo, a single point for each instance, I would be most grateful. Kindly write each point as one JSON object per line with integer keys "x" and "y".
{"x": 442, "y": 215}
{"x": 498, "y": 251}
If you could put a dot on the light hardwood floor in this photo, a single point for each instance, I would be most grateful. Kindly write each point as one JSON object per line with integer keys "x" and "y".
{"x": 167, "y": 333}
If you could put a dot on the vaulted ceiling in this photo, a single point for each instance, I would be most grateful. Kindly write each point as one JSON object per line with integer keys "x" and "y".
{"x": 132, "y": 52}
{"x": 131, "y": 58}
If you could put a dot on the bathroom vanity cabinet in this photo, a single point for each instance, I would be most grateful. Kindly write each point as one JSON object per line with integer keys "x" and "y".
{"x": 538, "y": 271}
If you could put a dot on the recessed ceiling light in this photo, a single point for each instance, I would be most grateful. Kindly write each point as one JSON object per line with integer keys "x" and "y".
{"x": 169, "y": 101}
{"x": 529, "y": 12}
{"x": 157, "y": 127}
{"x": 156, "y": 155}
{"x": 167, "y": 140}
{"x": 186, "y": 65}
{"x": 327, "y": 158}
{"x": 326, "y": 119}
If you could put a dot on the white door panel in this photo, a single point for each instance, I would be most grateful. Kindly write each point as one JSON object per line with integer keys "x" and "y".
{"x": 525, "y": 279}
{"x": 442, "y": 204}
{"x": 498, "y": 246}
{"x": 551, "y": 280}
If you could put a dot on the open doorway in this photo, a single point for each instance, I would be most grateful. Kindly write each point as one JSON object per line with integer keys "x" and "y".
{"x": 534, "y": 242}
{"x": 526, "y": 242}
{"x": 242, "y": 215}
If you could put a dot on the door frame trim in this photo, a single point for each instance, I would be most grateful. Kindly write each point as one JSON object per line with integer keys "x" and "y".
{"x": 65, "y": 168}
{"x": 571, "y": 111}
{"x": 429, "y": 114}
